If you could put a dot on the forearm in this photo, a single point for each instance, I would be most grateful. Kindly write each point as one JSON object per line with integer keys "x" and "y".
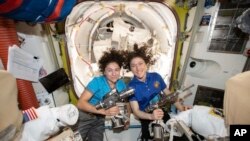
{"x": 84, "y": 105}
{"x": 87, "y": 107}
{"x": 128, "y": 109}
{"x": 137, "y": 112}
{"x": 143, "y": 115}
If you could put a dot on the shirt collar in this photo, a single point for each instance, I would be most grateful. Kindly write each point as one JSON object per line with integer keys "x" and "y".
{"x": 135, "y": 79}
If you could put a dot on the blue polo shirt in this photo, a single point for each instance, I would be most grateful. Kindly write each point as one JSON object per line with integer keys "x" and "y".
{"x": 147, "y": 91}
{"x": 99, "y": 87}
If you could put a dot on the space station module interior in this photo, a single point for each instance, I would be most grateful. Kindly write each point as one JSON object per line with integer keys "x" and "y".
{"x": 92, "y": 27}
{"x": 47, "y": 121}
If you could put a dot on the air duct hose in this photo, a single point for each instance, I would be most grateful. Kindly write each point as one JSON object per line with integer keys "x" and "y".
{"x": 8, "y": 37}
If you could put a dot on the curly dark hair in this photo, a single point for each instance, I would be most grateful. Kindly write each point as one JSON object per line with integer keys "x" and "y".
{"x": 111, "y": 56}
{"x": 142, "y": 52}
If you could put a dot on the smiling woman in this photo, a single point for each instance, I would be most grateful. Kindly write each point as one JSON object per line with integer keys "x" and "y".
{"x": 91, "y": 120}
{"x": 93, "y": 27}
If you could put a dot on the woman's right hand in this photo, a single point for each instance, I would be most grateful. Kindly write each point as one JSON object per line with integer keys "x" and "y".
{"x": 112, "y": 111}
{"x": 157, "y": 114}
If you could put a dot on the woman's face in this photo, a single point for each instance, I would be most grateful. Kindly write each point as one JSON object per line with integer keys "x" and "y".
{"x": 112, "y": 72}
{"x": 139, "y": 68}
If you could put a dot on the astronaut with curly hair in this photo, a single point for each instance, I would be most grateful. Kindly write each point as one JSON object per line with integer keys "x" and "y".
{"x": 91, "y": 121}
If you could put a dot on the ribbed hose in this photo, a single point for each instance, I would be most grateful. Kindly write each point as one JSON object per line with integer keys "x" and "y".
{"x": 8, "y": 37}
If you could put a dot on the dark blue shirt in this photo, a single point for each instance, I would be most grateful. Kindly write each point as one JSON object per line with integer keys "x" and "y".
{"x": 148, "y": 90}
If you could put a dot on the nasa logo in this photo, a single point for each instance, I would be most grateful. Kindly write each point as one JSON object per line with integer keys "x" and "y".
{"x": 156, "y": 84}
